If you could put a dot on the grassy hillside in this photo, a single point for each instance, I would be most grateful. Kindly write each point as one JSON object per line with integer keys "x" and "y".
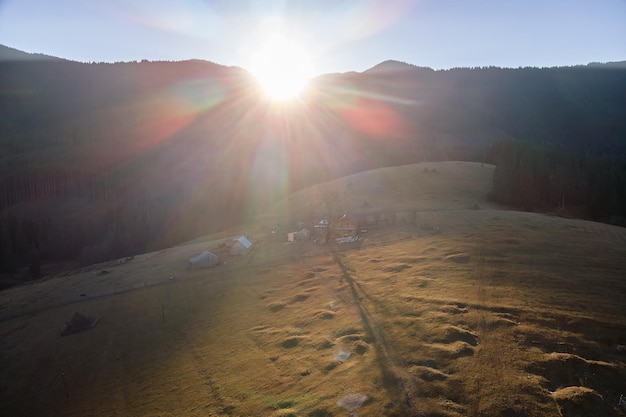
{"x": 463, "y": 312}
{"x": 451, "y": 185}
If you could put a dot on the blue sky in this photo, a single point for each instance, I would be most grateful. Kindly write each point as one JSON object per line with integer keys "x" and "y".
{"x": 340, "y": 36}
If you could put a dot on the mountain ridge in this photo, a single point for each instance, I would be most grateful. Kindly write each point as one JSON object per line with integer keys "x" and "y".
{"x": 8, "y": 53}
{"x": 11, "y": 54}
{"x": 390, "y": 66}
{"x": 135, "y": 145}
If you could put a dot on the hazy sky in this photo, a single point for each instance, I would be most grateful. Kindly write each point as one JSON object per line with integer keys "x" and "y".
{"x": 340, "y": 36}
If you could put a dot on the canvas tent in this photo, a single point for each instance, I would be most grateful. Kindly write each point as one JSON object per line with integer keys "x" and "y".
{"x": 240, "y": 246}
{"x": 204, "y": 260}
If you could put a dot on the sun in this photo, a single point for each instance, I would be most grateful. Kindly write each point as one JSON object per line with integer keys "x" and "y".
{"x": 282, "y": 68}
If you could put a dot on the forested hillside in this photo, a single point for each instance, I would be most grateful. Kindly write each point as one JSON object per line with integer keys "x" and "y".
{"x": 538, "y": 177}
{"x": 105, "y": 160}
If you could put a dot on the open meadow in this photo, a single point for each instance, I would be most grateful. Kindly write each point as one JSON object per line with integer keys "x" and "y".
{"x": 465, "y": 309}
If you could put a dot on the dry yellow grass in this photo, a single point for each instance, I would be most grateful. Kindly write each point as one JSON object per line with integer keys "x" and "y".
{"x": 418, "y": 187}
{"x": 501, "y": 313}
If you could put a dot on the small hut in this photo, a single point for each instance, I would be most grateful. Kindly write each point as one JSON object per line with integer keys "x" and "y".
{"x": 346, "y": 226}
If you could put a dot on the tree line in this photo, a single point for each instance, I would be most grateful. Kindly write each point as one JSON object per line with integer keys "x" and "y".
{"x": 27, "y": 186}
{"x": 539, "y": 177}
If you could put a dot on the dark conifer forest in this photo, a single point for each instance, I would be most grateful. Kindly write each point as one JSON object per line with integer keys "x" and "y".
{"x": 559, "y": 181}
{"x": 105, "y": 160}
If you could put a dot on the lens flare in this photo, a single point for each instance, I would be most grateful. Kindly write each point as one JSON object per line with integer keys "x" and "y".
{"x": 282, "y": 67}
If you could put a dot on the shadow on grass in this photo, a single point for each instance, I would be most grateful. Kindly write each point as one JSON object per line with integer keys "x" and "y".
{"x": 392, "y": 383}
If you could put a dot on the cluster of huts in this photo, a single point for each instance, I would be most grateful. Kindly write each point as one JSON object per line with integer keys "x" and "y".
{"x": 339, "y": 229}
{"x": 350, "y": 225}
{"x": 343, "y": 227}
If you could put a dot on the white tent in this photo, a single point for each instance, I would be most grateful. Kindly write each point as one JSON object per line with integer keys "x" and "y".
{"x": 240, "y": 246}
{"x": 204, "y": 260}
